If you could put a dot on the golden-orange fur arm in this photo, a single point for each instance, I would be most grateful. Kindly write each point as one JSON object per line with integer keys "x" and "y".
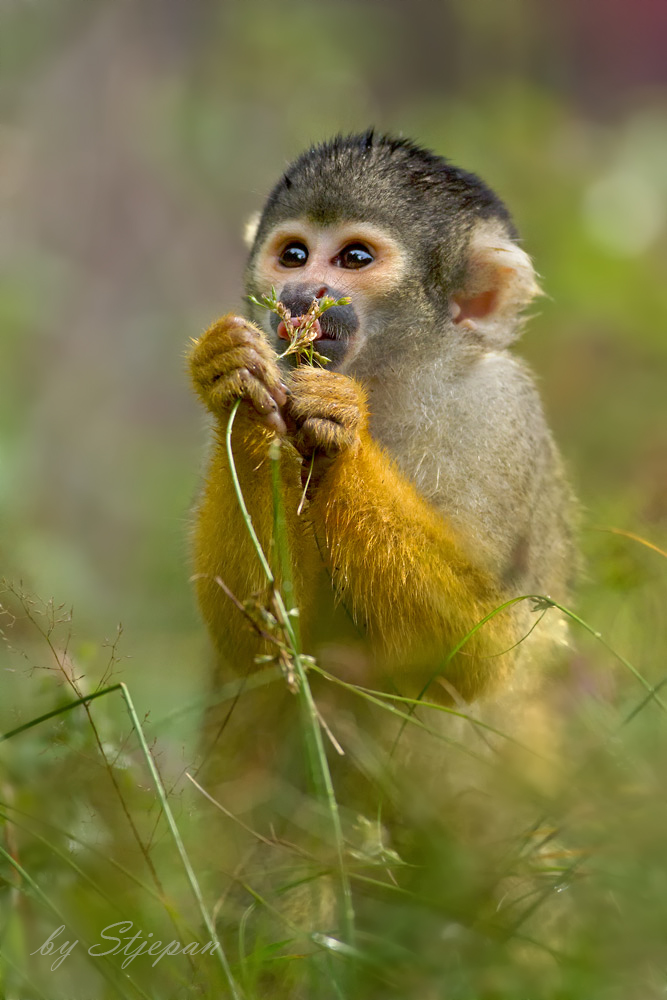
{"x": 232, "y": 361}
{"x": 221, "y": 545}
{"x": 394, "y": 560}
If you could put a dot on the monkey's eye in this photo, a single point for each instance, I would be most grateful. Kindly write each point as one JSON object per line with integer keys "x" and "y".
{"x": 295, "y": 254}
{"x": 354, "y": 255}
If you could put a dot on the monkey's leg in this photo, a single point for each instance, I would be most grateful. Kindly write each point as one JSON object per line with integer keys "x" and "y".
{"x": 394, "y": 559}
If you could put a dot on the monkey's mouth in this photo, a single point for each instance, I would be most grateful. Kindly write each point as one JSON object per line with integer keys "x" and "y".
{"x": 297, "y": 323}
{"x": 328, "y": 339}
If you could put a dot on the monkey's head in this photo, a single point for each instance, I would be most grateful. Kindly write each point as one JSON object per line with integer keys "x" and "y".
{"x": 422, "y": 249}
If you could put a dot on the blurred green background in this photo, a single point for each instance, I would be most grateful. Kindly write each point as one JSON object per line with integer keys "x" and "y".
{"x": 136, "y": 140}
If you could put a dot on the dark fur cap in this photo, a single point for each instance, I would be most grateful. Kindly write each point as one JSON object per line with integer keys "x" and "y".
{"x": 383, "y": 179}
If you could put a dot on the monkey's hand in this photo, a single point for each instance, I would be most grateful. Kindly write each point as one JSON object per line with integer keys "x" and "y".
{"x": 231, "y": 361}
{"x": 327, "y": 412}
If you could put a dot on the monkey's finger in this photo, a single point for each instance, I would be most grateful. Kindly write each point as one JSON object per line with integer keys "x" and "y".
{"x": 226, "y": 353}
{"x": 241, "y": 384}
{"x": 334, "y": 397}
{"x": 232, "y": 331}
{"x": 258, "y": 393}
{"x": 225, "y": 361}
{"x": 306, "y": 380}
{"x": 224, "y": 364}
{"x": 210, "y": 347}
{"x": 317, "y": 434}
{"x": 275, "y": 422}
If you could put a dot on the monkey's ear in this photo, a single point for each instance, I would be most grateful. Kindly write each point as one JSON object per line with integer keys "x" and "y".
{"x": 499, "y": 283}
{"x": 250, "y": 229}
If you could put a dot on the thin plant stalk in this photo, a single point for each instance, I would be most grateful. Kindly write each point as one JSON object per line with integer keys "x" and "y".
{"x": 57, "y": 711}
{"x": 317, "y": 752}
{"x": 180, "y": 847}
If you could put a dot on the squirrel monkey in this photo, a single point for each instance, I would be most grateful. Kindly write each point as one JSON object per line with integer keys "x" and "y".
{"x": 437, "y": 493}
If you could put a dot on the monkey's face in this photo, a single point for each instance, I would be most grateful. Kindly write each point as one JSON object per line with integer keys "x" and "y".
{"x": 305, "y": 261}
